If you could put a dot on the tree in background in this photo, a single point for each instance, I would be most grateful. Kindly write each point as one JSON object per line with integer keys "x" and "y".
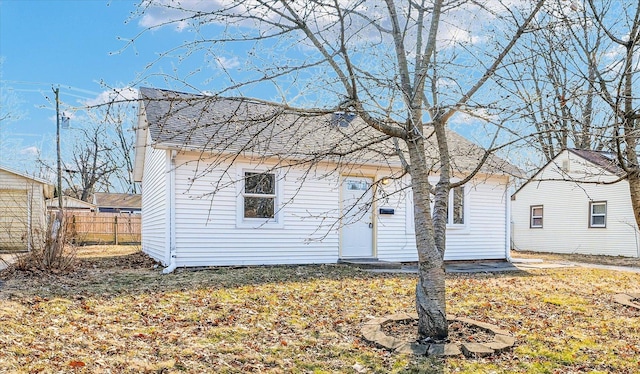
{"x": 616, "y": 81}
{"x": 97, "y": 146}
{"x": 406, "y": 68}
{"x": 580, "y": 83}
{"x": 555, "y": 83}
{"x": 117, "y": 111}
{"x": 90, "y": 166}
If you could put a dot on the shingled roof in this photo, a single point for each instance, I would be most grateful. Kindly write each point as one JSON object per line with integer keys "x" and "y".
{"x": 604, "y": 160}
{"x": 117, "y": 200}
{"x": 241, "y": 125}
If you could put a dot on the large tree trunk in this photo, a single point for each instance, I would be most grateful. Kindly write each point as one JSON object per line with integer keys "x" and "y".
{"x": 430, "y": 290}
{"x": 634, "y": 187}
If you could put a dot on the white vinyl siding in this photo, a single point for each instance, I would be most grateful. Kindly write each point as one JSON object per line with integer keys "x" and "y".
{"x": 15, "y": 220}
{"x": 22, "y": 212}
{"x": 482, "y": 236}
{"x": 207, "y": 213}
{"x": 155, "y": 185}
{"x": 567, "y": 213}
{"x": 206, "y": 229}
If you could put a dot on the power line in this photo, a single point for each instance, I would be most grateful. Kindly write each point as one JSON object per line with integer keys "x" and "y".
{"x": 48, "y": 85}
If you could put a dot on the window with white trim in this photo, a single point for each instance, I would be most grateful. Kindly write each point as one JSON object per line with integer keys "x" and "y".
{"x": 456, "y": 209}
{"x": 598, "y": 214}
{"x": 537, "y": 215}
{"x": 259, "y": 195}
{"x": 456, "y": 201}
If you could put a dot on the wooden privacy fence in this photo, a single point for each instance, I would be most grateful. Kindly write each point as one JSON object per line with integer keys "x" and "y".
{"x": 103, "y": 228}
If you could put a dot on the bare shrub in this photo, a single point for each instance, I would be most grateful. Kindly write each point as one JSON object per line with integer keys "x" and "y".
{"x": 53, "y": 254}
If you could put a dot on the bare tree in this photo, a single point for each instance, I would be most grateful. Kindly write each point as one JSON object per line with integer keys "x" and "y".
{"x": 117, "y": 115}
{"x": 554, "y": 81}
{"x": 91, "y": 166}
{"x": 122, "y": 155}
{"x": 616, "y": 81}
{"x": 404, "y": 68}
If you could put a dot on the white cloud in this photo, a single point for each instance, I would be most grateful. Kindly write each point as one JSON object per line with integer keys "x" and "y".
{"x": 474, "y": 116}
{"x": 30, "y": 151}
{"x": 228, "y": 63}
{"x": 466, "y": 24}
{"x": 158, "y": 13}
{"x": 116, "y": 94}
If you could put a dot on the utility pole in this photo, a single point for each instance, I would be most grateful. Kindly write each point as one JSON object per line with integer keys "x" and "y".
{"x": 57, "y": 92}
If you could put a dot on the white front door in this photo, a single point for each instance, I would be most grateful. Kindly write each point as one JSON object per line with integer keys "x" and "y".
{"x": 357, "y": 217}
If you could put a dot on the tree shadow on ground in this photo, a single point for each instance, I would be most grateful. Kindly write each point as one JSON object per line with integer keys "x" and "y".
{"x": 136, "y": 273}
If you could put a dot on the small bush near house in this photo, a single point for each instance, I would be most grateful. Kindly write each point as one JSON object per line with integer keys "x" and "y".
{"x": 51, "y": 254}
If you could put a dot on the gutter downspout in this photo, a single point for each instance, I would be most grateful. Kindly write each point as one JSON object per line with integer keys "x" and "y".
{"x": 172, "y": 215}
{"x": 507, "y": 234}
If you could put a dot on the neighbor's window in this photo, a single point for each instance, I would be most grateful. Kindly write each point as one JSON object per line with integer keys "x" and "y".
{"x": 536, "y": 216}
{"x": 598, "y": 214}
{"x": 259, "y": 195}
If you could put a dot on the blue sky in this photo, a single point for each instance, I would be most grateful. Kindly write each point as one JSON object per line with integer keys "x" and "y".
{"x": 71, "y": 44}
{"x": 81, "y": 47}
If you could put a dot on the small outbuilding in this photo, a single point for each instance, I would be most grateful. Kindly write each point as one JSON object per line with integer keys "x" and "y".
{"x": 22, "y": 209}
{"x": 579, "y": 202}
{"x": 71, "y": 204}
{"x": 117, "y": 202}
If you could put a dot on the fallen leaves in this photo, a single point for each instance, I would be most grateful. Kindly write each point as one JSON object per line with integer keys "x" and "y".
{"x": 77, "y": 364}
{"x": 299, "y": 319}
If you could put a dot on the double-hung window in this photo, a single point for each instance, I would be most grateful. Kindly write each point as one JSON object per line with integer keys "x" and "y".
{"x": 598, "y": 214}
{"x": 456, "y": 201}
{"x": 259, "y": 195}
{"x": 537, "y": 212}
{"x": 456, "y": 210}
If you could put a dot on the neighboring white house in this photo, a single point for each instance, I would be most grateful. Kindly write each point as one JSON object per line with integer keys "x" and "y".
{"x": 233, "y": 181}
{"x": 22, "y": 209}
{"x": 71, "y": 204}
{"x": 567, "y": 208}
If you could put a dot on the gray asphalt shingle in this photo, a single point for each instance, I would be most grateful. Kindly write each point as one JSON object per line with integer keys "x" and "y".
{"x": 242, "y": 125}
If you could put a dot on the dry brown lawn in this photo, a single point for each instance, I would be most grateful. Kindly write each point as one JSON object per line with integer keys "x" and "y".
{"x": 118, "y": 314}
{"x": 587, "y": 259}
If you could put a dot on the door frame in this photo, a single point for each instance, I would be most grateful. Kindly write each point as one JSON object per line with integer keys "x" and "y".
{"x": 374, "y": 216}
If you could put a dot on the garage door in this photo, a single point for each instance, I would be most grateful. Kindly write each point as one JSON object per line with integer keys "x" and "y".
{"x": 14, "y": 219}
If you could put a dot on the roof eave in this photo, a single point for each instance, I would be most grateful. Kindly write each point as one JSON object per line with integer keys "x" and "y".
{"x": 142, "y": 135}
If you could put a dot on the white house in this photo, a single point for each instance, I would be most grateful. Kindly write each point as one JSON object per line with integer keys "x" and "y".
{"x": 572, "y": 206}
{"x": 70, "y": 204}
{"x": 233, "y": 181}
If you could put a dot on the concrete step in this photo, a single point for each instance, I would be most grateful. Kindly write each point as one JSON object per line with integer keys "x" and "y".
{"x": 370, "y": 263}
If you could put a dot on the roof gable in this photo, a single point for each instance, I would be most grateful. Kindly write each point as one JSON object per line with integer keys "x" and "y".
{"x": 70, "y": 202}
{"x": 23, "y": 175}
{"x": 601, "y": 160}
